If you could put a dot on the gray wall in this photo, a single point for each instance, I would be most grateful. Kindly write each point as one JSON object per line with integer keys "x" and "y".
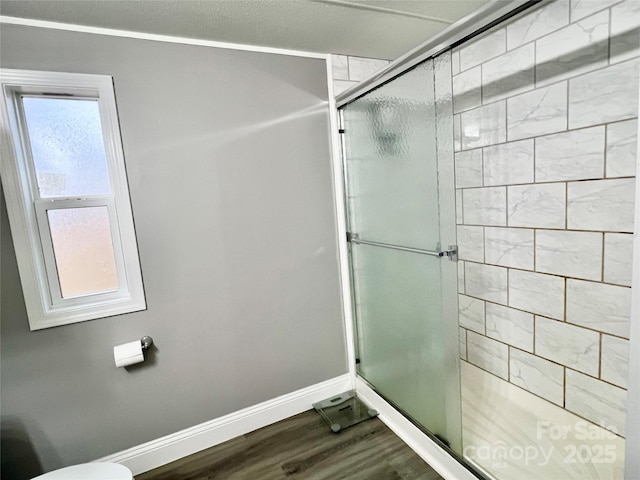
{"x": 228, "y": 159}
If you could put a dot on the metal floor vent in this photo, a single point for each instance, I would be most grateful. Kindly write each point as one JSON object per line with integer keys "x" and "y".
{"x": 344, "y": 411}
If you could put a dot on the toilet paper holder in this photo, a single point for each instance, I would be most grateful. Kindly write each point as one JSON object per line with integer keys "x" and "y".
{"x": 146, "y": 342}
{"x": 133, "y": 352}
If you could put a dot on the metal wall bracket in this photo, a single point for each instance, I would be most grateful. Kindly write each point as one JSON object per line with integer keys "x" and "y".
{"x": 452, "y": 253}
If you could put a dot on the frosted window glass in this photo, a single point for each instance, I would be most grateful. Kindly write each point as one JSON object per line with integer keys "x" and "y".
{"x": 83, "y": 250}
{"x": 67, "y": 146}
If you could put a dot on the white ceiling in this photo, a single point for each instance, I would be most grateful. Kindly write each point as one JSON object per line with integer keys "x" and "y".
{"x": 367, "y": 28}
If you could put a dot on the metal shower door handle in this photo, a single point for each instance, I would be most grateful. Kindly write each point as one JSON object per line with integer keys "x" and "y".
{"x": 451, "y": 252}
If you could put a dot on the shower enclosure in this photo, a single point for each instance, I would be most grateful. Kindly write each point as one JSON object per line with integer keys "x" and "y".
{"x": 401, "y": 230}
{"x": 490, "y": 201}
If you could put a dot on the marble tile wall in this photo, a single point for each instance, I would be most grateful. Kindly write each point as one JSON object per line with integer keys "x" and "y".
{"x": 348, "y": 71}
{"x": 545, "y": 120}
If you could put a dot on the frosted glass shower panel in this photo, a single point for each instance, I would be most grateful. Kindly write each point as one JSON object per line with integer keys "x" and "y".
{"x": 391, "y": 162}
{"x": 398, "y": 302}
{"x": 67, "y": 146}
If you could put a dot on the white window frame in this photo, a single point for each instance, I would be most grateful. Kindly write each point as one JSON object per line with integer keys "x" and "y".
{"x": 28, "y": 212}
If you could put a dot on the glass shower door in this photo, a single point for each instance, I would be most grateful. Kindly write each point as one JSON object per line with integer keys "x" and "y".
{"x": 404, "y": 343}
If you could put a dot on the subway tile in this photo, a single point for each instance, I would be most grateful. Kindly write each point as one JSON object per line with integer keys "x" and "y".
{"x": 602, "y": 307}
{"x": 537, "y": 375}
{"x": 538, "y": 23}
{"x": 614, "y": 360}
{"x": 574, "y": 155}
{"x": 584, "y": 8}
{"x": 538, "y": 112}
{"x": 510, "y": 326}
{"x": 575, "y": 347}
{"x": 471, "y": 313}
{"x": 479, "y": 51}
{"x": 508, "y": 163}
{"x": 361, "y": 68}
{"x": 509, "y": 74}
{"x": 461, "y": 275}
{"x": 485, "y": 206}
{"x": 622, "y": 141}
{"x": 509, "y": 247}
{"x": 463, "y": 344}
{"x": 537, "y": 293}
{"x": 618, "y": 258}
{"x": 483, "y": 126}
{"x": 486, "y": 282}
{"x": 597, "y": 401}
{"x": 606, "y": 205}
{"x": 573, "y": 50}
{"x": 616, "y": 99}
{"x": 459, "y": 206}
{"x": 455, "y": 63}
{"x": 471, "y": 243}
{"x": 340, "y": 86}
{"x": 466, "y": 90}
{"x": 340, "y": 66}
{"x": 488, "y": 354}
{"x": 571, "y": 254}
{"x": 536, "y": 206}
{"x": 468, "y": 168}
{"x": 457, "y": 135}
{"x": 625, "y": 31}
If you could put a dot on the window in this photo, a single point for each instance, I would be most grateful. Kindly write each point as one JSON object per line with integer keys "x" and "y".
{"x": 65, "y": 185}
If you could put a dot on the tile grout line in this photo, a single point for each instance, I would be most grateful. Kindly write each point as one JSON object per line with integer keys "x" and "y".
{"x": 555, "y": 83}
{"x": 564, "y": 299}
{"x": 564, "y": 387}
{"x": 566, "y": 206}
{"x": 541, "y": 315}
{"x": 484, "y": 311}
{"x": 547, "y": 182}
{"x": 605, "y": 153}
{"x": 546, "y": 359}
{"x": 602, "y": 258}
{"x": 563, "y": 406}
{"x": 548, "y": 274}
{"x": 552, "y": 133}
{"x": 600, "y": 356}
{"x": 533, "y": 350}
{"x": 535, "y": 248}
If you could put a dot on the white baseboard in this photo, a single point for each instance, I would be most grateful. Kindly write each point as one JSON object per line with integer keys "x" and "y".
{"x": 156, "y": 453}
{"x": 427, "y": 449}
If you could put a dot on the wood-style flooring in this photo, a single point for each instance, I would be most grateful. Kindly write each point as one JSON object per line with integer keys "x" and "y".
{"x": 303, "y": 447}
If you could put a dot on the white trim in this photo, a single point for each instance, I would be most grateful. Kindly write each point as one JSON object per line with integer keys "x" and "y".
{"x": 70, "y": 27}
{"x": 341, "y": 222}
{"x": 156, "y": 453}
{"x": 632, "y": 441}
{"x": 36, "y": 263}
{"x": 427, "y": 449}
